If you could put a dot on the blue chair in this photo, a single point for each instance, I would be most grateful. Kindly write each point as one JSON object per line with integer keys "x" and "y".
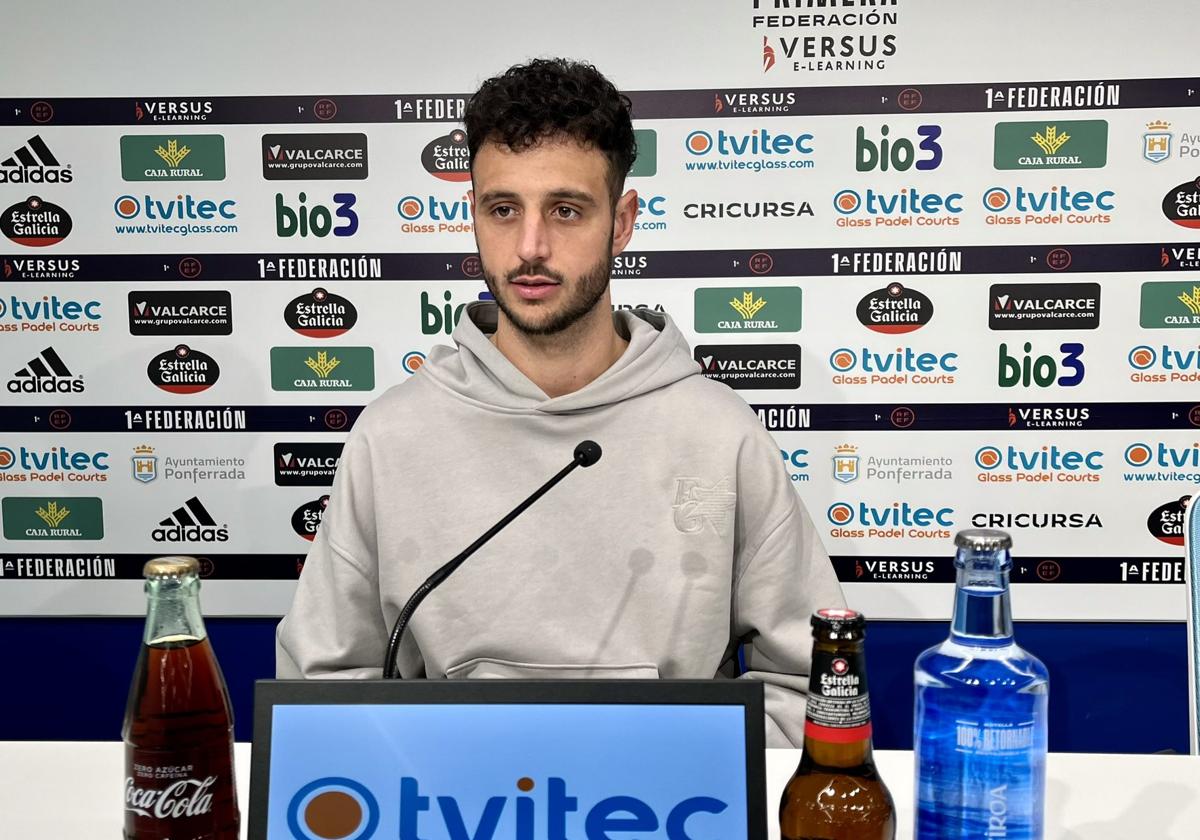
{"x": 1191, "y": 540}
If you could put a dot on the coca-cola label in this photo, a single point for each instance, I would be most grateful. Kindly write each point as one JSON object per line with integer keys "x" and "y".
{"x": 189, "y": 797}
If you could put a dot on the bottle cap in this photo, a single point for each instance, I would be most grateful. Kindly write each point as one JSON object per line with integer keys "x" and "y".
{"x": 166, "y": 568}
{"x": 838, "y": 619}
{"x": 983, "y": 539}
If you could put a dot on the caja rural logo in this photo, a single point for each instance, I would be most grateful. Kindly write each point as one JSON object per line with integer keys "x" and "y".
{"x": 339, "y": 807}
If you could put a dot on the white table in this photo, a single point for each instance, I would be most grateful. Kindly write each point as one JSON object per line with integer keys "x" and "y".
{"x": 62, "y": 790}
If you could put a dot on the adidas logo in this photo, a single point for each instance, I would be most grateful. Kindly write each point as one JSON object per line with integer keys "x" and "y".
{"x": 45, "y": 374}
{"x": 190, "y": 523}
{"x": 34, "y": 163}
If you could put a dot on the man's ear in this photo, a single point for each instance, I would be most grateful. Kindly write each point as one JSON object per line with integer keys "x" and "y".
{"x": 471, "y": 201}
{"x": 624, "y": 216}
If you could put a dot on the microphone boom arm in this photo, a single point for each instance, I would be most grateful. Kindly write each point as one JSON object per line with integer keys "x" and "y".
{"x": 586, "y": 454}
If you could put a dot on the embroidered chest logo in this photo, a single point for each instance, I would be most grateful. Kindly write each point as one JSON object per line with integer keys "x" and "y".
{"x": 696, "y": 505}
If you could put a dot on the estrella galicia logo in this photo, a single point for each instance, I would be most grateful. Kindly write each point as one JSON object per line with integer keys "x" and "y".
{"x": 306, "y": 519}
{"x": 320, "y": 314}
{"x": 198, "y": 312}
{"x": 35, "y": 223}
{"x": 183, "y": 370}
{"x": 1165, "y": 522}
{"x": 1182, "y": 204}
{"x": 447, "y": 157}
{"x": 894, "y": 310}
{"x": 306, "y": 464}
{"x": 314, "y": 157}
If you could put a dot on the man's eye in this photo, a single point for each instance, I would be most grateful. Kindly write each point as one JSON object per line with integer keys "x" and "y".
{"x": 566, "y": 212}
{"x": 502, "y": 212}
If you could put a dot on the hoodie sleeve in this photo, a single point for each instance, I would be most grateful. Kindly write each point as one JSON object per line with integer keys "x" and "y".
{"x": 783, "y": 575}
{"x": 335, "y": 627}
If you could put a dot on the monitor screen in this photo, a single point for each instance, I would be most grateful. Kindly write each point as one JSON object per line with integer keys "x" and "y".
{"x": 507, "y": 771}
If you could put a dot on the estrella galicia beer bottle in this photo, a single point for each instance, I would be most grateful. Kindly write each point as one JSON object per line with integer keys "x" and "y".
{"x": 178, "y": 723}
{"x": 836, "y": 792}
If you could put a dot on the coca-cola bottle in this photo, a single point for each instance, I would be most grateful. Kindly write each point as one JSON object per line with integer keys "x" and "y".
{"x": 178, "y": 722}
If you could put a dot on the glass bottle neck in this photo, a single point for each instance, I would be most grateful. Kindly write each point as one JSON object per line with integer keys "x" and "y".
{"x": 173, "y": 614}
{"x": 982, "y": 605}
{"x": 837, "y": 726}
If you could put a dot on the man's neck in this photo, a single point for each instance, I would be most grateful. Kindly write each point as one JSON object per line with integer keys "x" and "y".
{"x": 565, "y": 362}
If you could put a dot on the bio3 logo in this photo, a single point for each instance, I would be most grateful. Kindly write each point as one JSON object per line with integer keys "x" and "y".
{"x": 317, "y": 220}
{"x": 346, "y": 809}
{"x": 1041, "y": 370}
{"x": 898, "y": 153}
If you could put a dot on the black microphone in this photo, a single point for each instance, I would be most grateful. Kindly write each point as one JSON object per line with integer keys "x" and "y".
{"x": 586, "y": 453}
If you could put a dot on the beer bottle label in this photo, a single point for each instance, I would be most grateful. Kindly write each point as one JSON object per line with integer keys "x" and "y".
{"x": 839, "y": 707}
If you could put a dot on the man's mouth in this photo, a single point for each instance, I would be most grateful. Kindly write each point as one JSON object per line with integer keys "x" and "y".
{"x": 533, "y": 281}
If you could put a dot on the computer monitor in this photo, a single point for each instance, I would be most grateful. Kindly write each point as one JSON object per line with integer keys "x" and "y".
{"x": 508, "y": 760}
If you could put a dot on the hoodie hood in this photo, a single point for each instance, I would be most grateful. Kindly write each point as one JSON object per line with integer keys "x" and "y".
{"x": 657, "y": 356}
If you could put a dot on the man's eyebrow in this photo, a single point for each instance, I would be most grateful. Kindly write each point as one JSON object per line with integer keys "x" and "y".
{"x": 573, "y": 195}
{"x": 497, "y": 195}
{"x": 579, "y": 197}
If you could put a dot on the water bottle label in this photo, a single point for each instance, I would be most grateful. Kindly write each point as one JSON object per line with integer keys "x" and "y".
{"x": 989, "y": 738}
{"x": 839, "y": 706}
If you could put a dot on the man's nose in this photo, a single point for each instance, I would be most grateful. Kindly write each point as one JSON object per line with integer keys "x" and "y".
{"x": 534, "y": 244}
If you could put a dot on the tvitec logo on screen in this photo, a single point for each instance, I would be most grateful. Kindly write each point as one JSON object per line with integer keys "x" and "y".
{"x": 344, "y": 808}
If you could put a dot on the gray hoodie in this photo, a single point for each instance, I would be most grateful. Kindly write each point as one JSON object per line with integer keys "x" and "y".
{"x": 685, "y": 541}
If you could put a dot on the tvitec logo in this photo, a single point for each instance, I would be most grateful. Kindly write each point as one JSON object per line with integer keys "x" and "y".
{"x": 49, "y": 313}
{"x": 756, "y": 151}
{"x": 1159, "y": 461}
{"x": 899, "y": 521}
{"x": 905, "y": 207}
{"x": 1055, "y": 206}
{"x": 903, "y": 366}
{"x": 430, "y": 214}
{"x": 1164, "y": 364}
{"x": 336, "y": 806}
{"x": 651, "y": 213}
{"x": 1044, "y": 370}
{"x": 1042, "y": 465}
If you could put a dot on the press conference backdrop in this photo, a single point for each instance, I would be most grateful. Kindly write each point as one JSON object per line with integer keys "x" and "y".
{"x": 952, "y": 266}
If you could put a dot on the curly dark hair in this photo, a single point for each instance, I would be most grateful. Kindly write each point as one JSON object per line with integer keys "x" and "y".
{"x": 529, "y": 102}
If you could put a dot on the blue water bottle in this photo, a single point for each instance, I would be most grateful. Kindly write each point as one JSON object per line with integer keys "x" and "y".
{"x": 979, "y": 731}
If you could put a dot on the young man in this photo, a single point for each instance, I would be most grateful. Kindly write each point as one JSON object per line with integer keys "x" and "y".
{"x": 683, "y": 543}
